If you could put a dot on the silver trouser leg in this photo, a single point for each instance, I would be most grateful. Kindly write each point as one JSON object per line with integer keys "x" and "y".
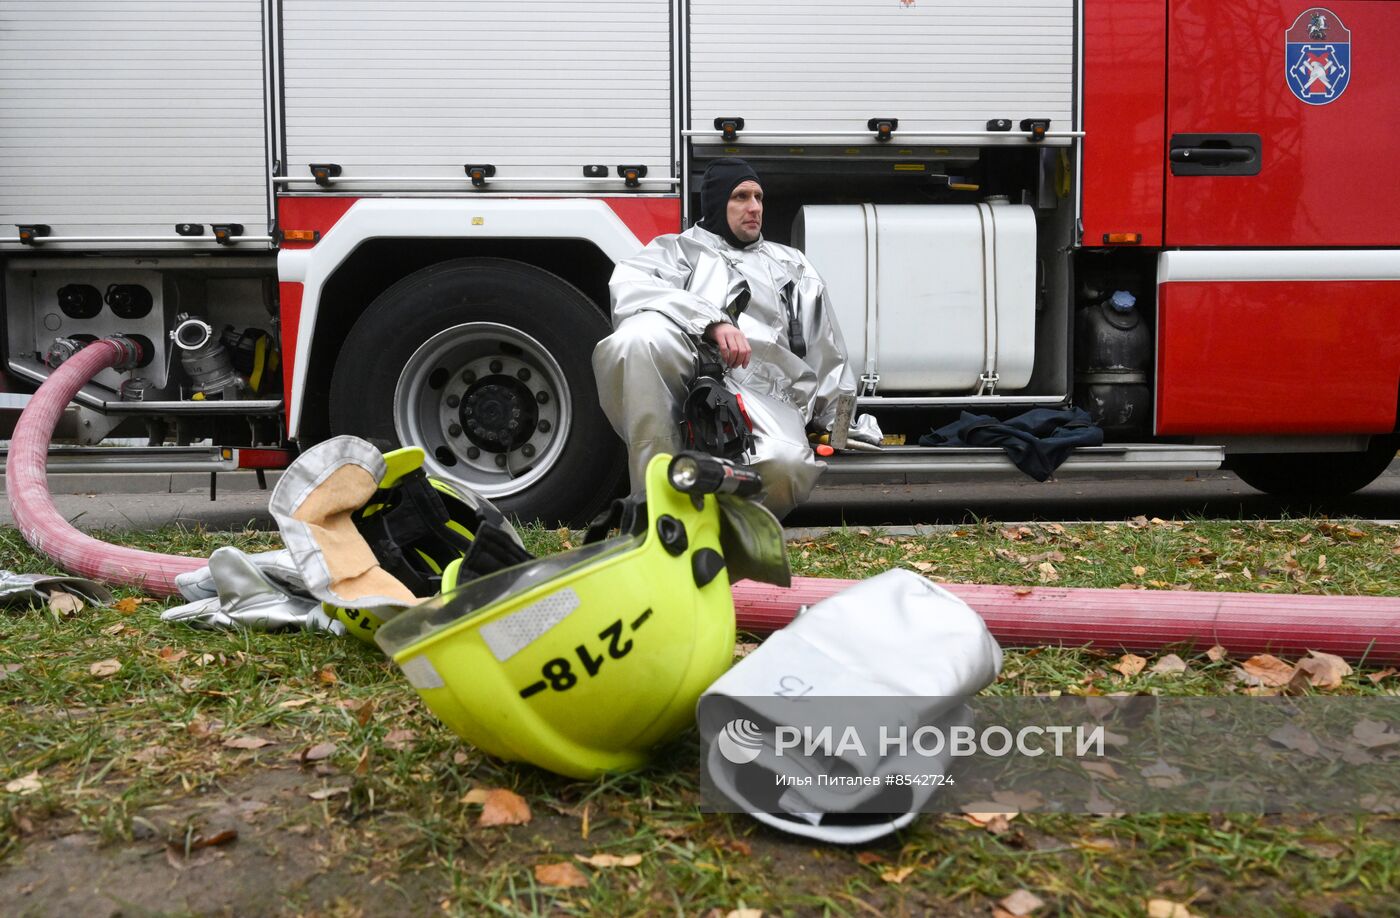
{"x": 781, "y": 452}
{"x": 643, "y": 370}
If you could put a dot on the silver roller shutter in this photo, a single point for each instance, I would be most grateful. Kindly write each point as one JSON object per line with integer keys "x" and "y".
{"x": 122, "y": 119}
{"x": 420, "y": 88}
{"x": 831, "y": 65}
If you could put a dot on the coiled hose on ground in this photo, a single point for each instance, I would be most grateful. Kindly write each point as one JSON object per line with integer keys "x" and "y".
{"x": 27, "y": 484}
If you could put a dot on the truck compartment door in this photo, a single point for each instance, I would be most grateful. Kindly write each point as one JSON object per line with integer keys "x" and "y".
{"x": 1281, "y": 123}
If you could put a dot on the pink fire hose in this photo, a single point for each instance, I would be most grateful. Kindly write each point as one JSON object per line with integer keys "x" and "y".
{"x": 1353, "y": 627}
{"x": 27, "y": 484}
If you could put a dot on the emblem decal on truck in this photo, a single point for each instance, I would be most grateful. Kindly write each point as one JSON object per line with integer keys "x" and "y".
{"x": 1317, "y": 56}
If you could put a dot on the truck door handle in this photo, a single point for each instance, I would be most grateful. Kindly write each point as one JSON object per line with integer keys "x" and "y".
{"x": 1215, "y": 154}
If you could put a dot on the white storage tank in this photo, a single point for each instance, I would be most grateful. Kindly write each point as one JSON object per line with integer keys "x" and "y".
{"x": 931, "y": 298}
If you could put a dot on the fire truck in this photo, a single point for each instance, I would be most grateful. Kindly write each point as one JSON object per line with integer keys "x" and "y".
{"x": 398, "y": 220}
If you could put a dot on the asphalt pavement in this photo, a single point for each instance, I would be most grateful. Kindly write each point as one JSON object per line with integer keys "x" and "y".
{"x": 149, "y": 501}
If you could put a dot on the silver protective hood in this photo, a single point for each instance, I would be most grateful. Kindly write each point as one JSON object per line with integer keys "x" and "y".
{"x": 897, "y": 637}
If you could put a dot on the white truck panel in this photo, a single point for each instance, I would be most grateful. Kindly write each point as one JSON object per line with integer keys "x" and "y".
{"x": 929, "y": 297}
{"x": 420, "y": 88}
{"x": 123, "y": 119}
{"x": 831, "y": 65}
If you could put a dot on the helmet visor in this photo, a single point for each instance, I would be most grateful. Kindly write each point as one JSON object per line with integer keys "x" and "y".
{"x": 444, "y": 611}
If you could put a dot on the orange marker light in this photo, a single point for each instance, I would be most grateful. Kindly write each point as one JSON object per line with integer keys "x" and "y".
{"x": 301, "y": 235}
{"x": 1122, "y": 238}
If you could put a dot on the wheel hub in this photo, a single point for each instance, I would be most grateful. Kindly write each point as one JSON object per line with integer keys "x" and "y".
{"x": 499, "y": 414}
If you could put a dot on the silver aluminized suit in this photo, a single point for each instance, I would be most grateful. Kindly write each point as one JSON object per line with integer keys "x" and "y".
{"x": 665, "y": 297}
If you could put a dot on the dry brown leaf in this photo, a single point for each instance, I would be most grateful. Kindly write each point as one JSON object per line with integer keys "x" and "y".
{"x": 1374, "y": 734}
{"x": 326, "y": 793}
{"x": 104, "y": 668}
{"x": 171, "y": 655}
{"x": 1021, "y": 902}
{"x": 1023, "y": 591}
{"x": 1139, "y": 570}
{"x": 610, "y": 860}
{"x": 148, "y": 754}
{"x": 327, "y": 675}
{"x": 1217, "y": 653}
{"x": 898, "y": 875}
{"x": 247, "y": 742}
{"x": 1169, "y": 665}
{"x": 562, "y": 874}
{"x": 317, "y": 752}
{"x": 1130, "y": 664}
{"x": 504, "y": 808}
{"x": 1294, "y": 737}
{"x": 1102, "y": 769}
{"x": 735, "y": 846}
{"x": 870, "y": 858}
{"x": 126, "y": 606}
{"x": 923, "y": 565}
{"x": 1324, "y": 670}
{"x": 62, "y": 603}
{"x": 1048, "y": 574}
{"x": 29, "y": 784}
{"x": 398, "y": 739}
{"x": 1267, "y": 670}
{"x": 1160, "y": 774}
{"x": 1378, "y": 675}
{"x": 1165, "y": 908}
{"x": 223, "y": 837}
{"x": 1020, "y": 801}
{"x": 743, "y": 913}
{"x": 476, "y": 796}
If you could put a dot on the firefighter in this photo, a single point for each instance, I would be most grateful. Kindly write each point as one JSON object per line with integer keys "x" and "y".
{"x": 761, "y": 305}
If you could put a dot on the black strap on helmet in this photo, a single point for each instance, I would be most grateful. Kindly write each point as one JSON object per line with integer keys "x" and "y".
{"x": 712, "y": 417}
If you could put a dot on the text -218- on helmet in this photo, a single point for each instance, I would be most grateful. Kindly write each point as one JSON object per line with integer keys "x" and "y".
{"x": 583, "y": 661}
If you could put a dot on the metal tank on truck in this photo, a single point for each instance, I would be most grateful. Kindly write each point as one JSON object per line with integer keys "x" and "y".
{"x": 403, "y": 228}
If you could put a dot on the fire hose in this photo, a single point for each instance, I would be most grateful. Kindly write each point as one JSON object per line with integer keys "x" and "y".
{"x": 27, "y": 486}
{"x": 1354, "y": 627}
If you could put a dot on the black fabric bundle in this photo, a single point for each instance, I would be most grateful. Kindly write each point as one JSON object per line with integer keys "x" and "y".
{"x": 1037, "y": 441}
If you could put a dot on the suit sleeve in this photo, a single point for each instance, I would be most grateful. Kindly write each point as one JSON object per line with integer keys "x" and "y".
{"x": 656, "y": 280}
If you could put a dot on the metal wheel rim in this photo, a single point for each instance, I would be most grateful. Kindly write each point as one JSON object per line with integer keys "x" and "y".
{"x": 423, "y": 415}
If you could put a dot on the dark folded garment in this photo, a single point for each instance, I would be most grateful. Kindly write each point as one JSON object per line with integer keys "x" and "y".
{"x": 1036, "y": 441}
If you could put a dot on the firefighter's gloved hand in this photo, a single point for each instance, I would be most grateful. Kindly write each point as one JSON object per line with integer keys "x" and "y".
{"x": 35, "y": 589}
{"x": 277, "y": 565}
{"x": 866, "y": 429}
{"x": 247, "y": 597}
{"x": 734, "y": 347}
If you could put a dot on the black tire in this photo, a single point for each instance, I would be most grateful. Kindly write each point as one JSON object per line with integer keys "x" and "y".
{"x": 1318, "y": 475}
{"x": 426, "y": 336}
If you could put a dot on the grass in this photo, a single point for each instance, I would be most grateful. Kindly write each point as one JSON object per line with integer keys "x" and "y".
{"x": 138, "y": 757}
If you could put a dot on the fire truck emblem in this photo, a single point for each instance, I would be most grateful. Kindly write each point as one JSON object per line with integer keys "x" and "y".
{"x": 1317, "y": 56}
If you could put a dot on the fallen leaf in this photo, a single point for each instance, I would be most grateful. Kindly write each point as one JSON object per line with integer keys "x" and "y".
{"x": 247, "y": 742}
{"x": 923, "y": 565}
{"x": 899, "y": 875}
{"x": 327, "y": 675}
{"x": 1165, "y": 908}
{"x": 1160, "y": 774}
{"x": 504, "y": 808}
{"x": 29, "y": 784}
{"x": 610, "y": 860}
{"x": 1324, "y": 670}
{"x": 1102, "y": 769}
{"x": 171, "y": 655}
{"x": 561, "y": 874}
{"x": 1217, "y": 653}
{"x": 1267, "y": 670}
{"x": 104, "y": 668}
{"x": 65, "y": 603}
{"x": 735, "y": 846}
{"x": 990, "y": 815}
{"x": 1374, "y": 734}
{"x": 744, "y": 913}
{"x": 326, "y": 793}
{"x": 1130, "y": 664}
{"x": 148, "y": 754}
{"x": 1021, "y": 902}
{"x": 317, "y": 752}
{"x": 1020, "y": 800}
{"x": 476, "y": 796}
{"x": 1386, "y": 673}
{"x": 1023, "y": 591}
{"x": 125, "y": 606}
{"x": 1048, "y": 574}
{"x": 223, "y": 837}
{"x": 870, "y": 858}
{"x": 398, "y": 739}
{"x": 1294, "y": 737}
{"x": 1139, "y": 570}
{"x": 1169, "y": 665}
{"x": 742, "y": 650}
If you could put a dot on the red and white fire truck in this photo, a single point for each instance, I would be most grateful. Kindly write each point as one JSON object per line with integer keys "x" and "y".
{"x": 398, "y": 219}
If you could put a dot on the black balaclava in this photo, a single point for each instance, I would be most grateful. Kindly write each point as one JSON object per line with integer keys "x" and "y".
{"x": 721, "y": 178}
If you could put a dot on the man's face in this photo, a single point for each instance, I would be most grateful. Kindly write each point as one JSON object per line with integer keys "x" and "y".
{"x": 746, "y": 211}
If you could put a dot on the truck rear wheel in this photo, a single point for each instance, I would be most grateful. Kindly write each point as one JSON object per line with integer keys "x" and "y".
{"x": 486, "y": 364}
{"x": 1315, "y": 474}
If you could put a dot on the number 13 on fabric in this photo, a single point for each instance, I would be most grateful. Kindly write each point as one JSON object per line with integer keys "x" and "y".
{"x": 581, "y": 662}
